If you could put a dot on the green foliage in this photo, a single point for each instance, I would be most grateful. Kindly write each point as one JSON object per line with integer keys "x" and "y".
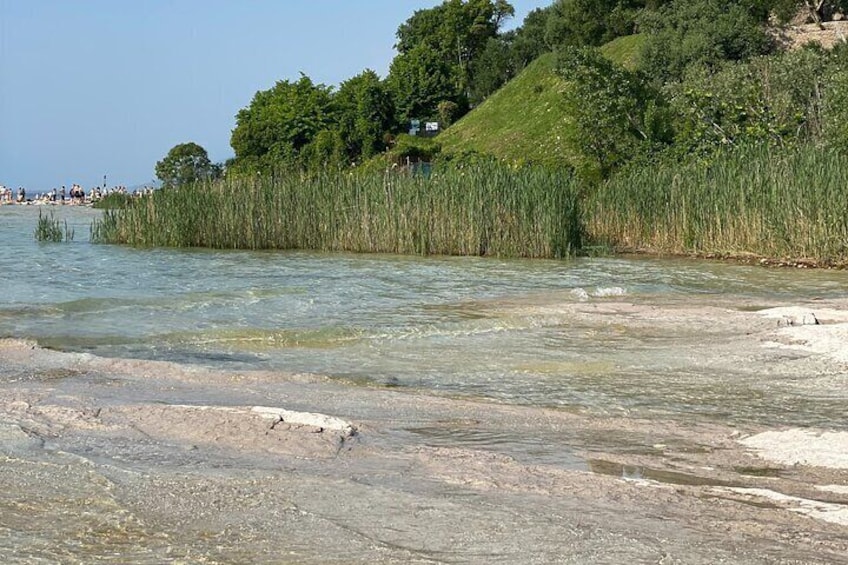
{"x": 448, "y": 111}
{"x": 772, "y": 100}
{"x": 493, "y": 210}
{"x": 49, "y": 229}
{"x": 772, "y": 202}
{"x": 327, "y": 149}
{"x": 185, "y": 163}
{"x": 418, "y": 80}
{"x": 835, "y": 104}
{"x": 456, "y": 29}
{"x": 590, "y": 22}
{"x": 616, "y": 115}
{"x": 507, "y": 54}
{"x": 699, "y": 33}
{"x": 280, "y": 122}
{"x": 529, "y": 42}
{"x": 365, "y": 114}
{"x": 437, "y": 48}
{"x": 492, "y": 69}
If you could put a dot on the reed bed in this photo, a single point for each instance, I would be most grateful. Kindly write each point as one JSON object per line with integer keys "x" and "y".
{"x": 787, "y": 203}
{"x": 491, "y": 210}
{"x": 51, "y": 230}
{"x": 777, "y": 203}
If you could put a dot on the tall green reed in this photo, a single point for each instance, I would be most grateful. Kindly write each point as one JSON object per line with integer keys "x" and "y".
{"x": 50, "y": 229}
{"x": 789, "y": 202}
{"x": 475, "y": 210}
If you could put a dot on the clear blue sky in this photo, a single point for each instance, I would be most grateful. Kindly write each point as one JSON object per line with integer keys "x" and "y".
{"x": 106, "y": 87}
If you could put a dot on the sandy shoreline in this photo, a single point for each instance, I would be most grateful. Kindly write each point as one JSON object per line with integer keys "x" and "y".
{"x": 171, "y": 462}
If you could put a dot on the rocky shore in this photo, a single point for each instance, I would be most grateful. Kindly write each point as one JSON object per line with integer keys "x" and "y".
{"x": 171, "y": 462}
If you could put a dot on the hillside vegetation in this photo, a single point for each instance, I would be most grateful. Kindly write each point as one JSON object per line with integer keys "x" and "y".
{"x": 527, "y": 121}
{"x": 523, "y": 122}
{"x": 705, "y": 133}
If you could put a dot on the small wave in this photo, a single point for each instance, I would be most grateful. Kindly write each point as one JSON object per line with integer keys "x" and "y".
{"x": 580, "y": 294}
{"x": 602, "y": 292}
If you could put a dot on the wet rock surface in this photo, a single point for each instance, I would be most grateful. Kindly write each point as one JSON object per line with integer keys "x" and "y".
{"x": 141, "y": 461}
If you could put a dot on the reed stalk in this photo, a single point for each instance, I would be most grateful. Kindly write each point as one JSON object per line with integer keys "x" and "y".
{"x": 779, "y": 203}
{"x": 49, "y": 229}
{"x": 477, "y": 210}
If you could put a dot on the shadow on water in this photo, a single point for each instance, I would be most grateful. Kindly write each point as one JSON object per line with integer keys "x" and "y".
{"x": 640, "y": 473}
{"x": 523, "y": 448}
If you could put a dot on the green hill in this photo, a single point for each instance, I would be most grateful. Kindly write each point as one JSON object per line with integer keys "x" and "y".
{"x": 625, "y": 50}
{"x": 524, "y": 121}
{"x": 521, "y": 122}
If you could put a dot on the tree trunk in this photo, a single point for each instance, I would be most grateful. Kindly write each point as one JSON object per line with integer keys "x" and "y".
{"x": 815, "y": 7}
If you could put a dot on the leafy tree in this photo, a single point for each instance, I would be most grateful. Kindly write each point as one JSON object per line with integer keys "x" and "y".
{"x": 280, "y": 122}
{"x": 444, "y": 40}
{"x": 448, "y": 111}
{"x": 616, "y": 115}
{"x": 773, "y": 100}
{"x": 590, "y": 22}
{"x": 327, "y": 149}
{"x": 418, "y": 80}
{"x": 507, "y": 54}
{"x": 186, "y": 163}
{"x": 530, "y": 42}
{"x": 493, "y": 68}
{"x": 365, "y": 114}
{"x": 691, "y": 33}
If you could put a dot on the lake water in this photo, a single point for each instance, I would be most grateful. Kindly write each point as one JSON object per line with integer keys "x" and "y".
{"x": 464, "y": 326}
{"x": 507, "y": 406}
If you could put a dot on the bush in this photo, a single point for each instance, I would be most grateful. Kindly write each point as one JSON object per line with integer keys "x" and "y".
{"x": 704, "y": 33}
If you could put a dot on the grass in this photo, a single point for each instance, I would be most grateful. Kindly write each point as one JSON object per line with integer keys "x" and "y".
{"x": 495, "y": 211}
{"x": 49, "y": 229}
{"x": 789, "y": 203}
{"x": 526, "y": 120}
{"x": 626, "y": 51}
{"x": 523, "y": 122}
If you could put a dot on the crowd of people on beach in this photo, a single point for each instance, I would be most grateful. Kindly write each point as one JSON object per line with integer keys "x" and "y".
{"x": 75, "y": 196}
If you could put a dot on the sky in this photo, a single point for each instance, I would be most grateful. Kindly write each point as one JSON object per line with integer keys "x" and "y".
{"x": 94, "y": 88}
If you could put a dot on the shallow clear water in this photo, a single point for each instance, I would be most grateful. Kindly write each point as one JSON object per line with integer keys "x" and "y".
{"x": 459, "y": 326}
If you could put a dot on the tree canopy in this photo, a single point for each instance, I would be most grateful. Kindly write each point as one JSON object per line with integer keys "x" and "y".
{"x": 436, "y": 50}
{"x": 681, "y": 82}
{"x": 185, "y": 163}
{"x": 280, "y": 122}
{"x": 700, "y": 33}
{"x": 365, "y": 115}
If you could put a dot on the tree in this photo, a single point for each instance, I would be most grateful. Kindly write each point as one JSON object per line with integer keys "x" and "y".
{"x": 700, "y": 33}
{"x": 615, "y": 115}
{"x": 280, "y": 122}
{"x": 493, "y": 68}
{"x": 185, "y": 163}
{"x": 590, "y": 22}
{"x": 444, "y": 40}
{"x": 769, "y": 100}
{"x": 365, "y": 114}
{"x": 530, "y": 42}
{"x": 418, "y": 80}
